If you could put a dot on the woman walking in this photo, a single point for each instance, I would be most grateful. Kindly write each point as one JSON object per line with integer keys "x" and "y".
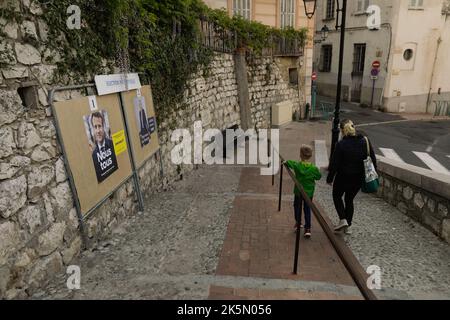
{"x": 347, "y": 172}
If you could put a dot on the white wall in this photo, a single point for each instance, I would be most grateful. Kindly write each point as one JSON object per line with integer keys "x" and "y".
{"x": 420, "y": 31}
{"x": 441, "y": 73}
{"x": 377, "y": 48}
{"x": 402, "y": 83}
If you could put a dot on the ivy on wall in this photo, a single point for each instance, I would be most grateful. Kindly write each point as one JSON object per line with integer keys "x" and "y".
{"x": 159, "y": 37}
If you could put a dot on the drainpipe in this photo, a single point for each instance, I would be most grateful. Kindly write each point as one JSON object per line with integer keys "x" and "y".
{"x": 389, "y": 26}
{"x": 432, "y": 72}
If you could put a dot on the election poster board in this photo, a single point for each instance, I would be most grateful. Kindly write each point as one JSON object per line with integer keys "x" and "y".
{"x": 92, "y": 130}
{"x": 142, "y": 126}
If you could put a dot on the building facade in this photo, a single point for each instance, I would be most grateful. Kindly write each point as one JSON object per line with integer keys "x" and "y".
{"x": 274, "y": 13}
{"x": 411, "y": 41}
{"x": 278, "y": 14}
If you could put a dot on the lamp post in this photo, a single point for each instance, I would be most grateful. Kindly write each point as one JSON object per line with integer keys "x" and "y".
{"x": 324, "y": 32}
{"x": 335, "y": 130}
{"x": 310, "y": 8}
{"x": 323, "y": 35}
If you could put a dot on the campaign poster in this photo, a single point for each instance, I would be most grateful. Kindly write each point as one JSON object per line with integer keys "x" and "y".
{"x": 144, "y": 124}
{"x": 101, "y": 144}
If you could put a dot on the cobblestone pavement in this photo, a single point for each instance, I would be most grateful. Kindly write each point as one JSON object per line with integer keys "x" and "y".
{"x": 414, "y": 262}
{"x": 171, "y": 251}
{"x": 167, "y": 252}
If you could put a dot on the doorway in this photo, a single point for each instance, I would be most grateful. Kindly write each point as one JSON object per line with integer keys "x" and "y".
{"x": 359, "y": 57}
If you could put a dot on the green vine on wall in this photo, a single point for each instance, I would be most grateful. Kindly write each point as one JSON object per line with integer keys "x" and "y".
{"x": 161, "y": 38}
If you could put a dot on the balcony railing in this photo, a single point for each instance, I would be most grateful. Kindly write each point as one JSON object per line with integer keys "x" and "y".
{"x": 217, "y": 38}
{"x": 286, "y": 47}
{"x": 222, "y": 40}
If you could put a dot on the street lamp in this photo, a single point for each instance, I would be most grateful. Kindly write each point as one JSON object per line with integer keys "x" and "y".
{"x": 335, "y": 130}
{"x": 310, "y": 8}
{"x": 323, "y": 35}
{"x": 324, "y": 32}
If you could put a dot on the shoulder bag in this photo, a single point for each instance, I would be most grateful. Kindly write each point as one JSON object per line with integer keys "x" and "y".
{"x": 371, "y": 180}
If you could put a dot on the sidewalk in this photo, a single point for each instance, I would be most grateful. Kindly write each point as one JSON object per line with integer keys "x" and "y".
{"x": 260, "y": 244}
{"x": 414, "y": 261}
{"x": 260, "y": 240}
{"x": 218, "y": 235}
{"x": 367, "y": 115}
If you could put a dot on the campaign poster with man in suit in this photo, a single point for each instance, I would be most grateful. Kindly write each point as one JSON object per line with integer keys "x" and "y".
{"x": 140, "y": 111}
{"x": 101, "y": 144}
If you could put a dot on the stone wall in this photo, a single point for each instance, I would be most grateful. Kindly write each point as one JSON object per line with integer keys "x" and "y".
{"x": 269, "y": 84}
{"x": 38, "y": 223}
{"x": 39, "y": 228}
{"x": 419, "y": 193}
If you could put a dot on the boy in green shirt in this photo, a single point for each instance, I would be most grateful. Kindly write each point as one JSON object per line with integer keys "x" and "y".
{"x": 306, "y": 174}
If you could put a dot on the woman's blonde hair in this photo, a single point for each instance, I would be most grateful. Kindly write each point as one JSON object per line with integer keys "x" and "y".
{"x": 348, "y": 128}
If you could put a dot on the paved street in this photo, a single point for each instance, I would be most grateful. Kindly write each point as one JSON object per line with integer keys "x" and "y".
{"x": 421, "y": 143}
{"x": 425, "y": 143}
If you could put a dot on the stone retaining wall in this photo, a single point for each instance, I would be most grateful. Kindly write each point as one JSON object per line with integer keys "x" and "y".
{"x": 419, "y": 193}
{"x": 39, "y": 229}
{"x": 269, "y": 84}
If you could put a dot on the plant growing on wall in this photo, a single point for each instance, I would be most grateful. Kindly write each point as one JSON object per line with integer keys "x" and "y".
{"x": 160, "y": 39}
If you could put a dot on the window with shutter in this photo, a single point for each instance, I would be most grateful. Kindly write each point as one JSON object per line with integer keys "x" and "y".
{"x": 359, "y": 57}
{"x": 242, "y": 8}
{"x": 329, "y": 14}
{"x": 325, "y": 58}
{"x": 363, "y": 5}
{"x": 287, "y": 12}
{"x": 416, "y": 4}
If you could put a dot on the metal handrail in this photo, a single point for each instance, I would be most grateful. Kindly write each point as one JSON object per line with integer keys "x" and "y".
{"x": 350, "y": 262}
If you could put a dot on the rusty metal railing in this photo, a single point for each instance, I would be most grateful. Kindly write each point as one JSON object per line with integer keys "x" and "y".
{"x": 220, "y": 39}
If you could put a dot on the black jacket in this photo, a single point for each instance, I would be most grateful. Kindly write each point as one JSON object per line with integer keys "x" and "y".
{"x": 348, "y": 158}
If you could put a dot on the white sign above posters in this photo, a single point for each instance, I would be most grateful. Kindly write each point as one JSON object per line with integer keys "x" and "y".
{"x": 113, "y": 83}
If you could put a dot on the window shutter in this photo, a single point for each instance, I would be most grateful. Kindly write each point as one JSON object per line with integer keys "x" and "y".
{"x": 287, "y": 13}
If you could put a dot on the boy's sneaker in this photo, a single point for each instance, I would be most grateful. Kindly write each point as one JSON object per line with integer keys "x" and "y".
{"x": 342, "y": 224}
{"x": 348, "y": 231}
{"x": 296, "y": 226}
{"x": 308, "y": 233}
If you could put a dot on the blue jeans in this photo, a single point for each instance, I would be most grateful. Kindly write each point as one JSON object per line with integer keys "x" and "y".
{"x": 298, "y": 201}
